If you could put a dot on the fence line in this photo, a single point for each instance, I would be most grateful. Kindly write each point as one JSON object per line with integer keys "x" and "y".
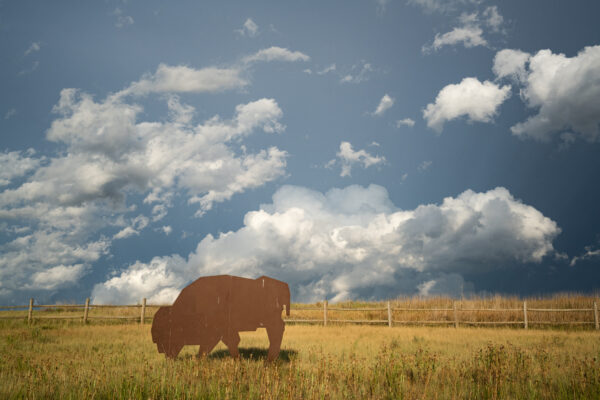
{"x": 456, "y": 320}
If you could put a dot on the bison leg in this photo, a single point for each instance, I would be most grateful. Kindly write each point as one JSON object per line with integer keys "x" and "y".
{"x": 231, "y": 341}
{"x": 275, "y": 332}
{"x": 173, "y": 350}
{"x": 207, "y": 344}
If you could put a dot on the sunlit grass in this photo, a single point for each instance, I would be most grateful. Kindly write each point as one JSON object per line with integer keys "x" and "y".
{"x": 68, "y": 360}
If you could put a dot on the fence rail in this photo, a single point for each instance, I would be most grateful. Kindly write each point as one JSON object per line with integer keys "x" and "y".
{"x": 452, "y": 314}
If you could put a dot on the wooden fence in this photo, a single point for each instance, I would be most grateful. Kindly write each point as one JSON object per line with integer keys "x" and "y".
{"x": 84, "y": 308}
{"x": 452, "y": 316}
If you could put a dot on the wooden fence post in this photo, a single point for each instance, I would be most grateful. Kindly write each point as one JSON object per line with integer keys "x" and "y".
{"x": 325, "y": 313}
{"x": 455, "y": 314}
{"x": 525, "y": 323}
{"x": 596, "y": 315}
{"x": 143, "y": 316}
{"x": 30, "y": 314}
{"x": 389, "y": 315}
{"x": 86, "y": 310}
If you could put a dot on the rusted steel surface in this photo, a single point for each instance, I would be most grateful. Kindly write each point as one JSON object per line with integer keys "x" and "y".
{"x": 217, "y": 308}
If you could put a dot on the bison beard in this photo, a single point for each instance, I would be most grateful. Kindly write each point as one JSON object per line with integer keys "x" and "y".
{"x": 217, "y": 308}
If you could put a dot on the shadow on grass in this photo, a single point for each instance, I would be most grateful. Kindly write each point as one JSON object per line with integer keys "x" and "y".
{"x": 254, "y": 353}
{"x": 250, "y": 353}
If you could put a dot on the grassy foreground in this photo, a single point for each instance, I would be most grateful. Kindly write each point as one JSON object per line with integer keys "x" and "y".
{"x": 120, "y": 361}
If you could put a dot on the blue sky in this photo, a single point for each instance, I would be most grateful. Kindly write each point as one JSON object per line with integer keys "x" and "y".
{"x": 355, "y": 149}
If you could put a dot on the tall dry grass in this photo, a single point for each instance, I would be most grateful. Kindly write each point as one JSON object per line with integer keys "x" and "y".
{"x": 66, "y": 360}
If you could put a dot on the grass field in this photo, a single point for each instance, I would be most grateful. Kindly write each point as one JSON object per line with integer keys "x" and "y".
{"x": 68, "y": 360}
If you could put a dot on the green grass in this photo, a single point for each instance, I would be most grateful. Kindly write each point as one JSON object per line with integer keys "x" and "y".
{"x": 67, "y": 360}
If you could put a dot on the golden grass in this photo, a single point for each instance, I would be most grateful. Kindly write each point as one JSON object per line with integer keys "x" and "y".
{"x": 68, "y": 360}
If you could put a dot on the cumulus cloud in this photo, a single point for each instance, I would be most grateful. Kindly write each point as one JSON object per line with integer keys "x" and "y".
{"x": 385, "y": 104}
{"x": 511, "y": 63}
{"x": 29, "y": 261}
{"x": 565, "y": 91}
{"x": 275, "y": 53}
{"x": 347, "y": 157}
{"x": 55, "y": 277}
{"x": 158, "y": 281}
{"x": 405, "y": 122}
{"x": 249, "y": 29}
{"x": 354, "y": 243}
{"x": 479, "y": 101}
{"x": 15, "y": 164}
{"x": 57, "y": 210}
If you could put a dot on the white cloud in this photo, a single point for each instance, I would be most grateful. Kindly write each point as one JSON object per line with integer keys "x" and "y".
{"x": 249, "y": 29}
{"x": 347, "y": 157}
{"x": 30, "y": 261}
{"x": 35, "y": 46}
{"x": 405, "y": 122}
{"x": 326, "y": 70}
{"x": 122, "y": 19}
{"x": 469, "y": 36}
{"x": 16, "y": 164}
{"x": 470, "y": 31}
{"x": 167, "y": 230}
{"x": 56, "y": 277}
{"x": 156, "y": 281}
{"x": 183, "y": 79}
{"x": 565, "y": 91}
{"x": 114, "y": 154}
{"x": 443, "y": 6}
{"x": 107, "y": 157}
{"x": 493, "y": 18}
{"x": 424, "y": 166}
{"x": 125, "y": 233}
{"x": 385, "y": 104}
{"x": 590, "y": 252}
{"x": 477, "y": 100}
{"x": 511, "y": 63}
{"x": 358, "y": 73}
{"x": 275, "y": 53}
{"x": 354, "y": 243}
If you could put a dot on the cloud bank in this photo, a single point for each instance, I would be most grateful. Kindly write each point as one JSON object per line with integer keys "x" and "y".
{"x": 353, "y": 243}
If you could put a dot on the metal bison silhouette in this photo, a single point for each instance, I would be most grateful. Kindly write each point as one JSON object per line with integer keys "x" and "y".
{"x": 215, "y": 308}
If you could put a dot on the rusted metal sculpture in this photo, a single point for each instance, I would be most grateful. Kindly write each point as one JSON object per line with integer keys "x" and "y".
{"x": 215, "y": 308}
